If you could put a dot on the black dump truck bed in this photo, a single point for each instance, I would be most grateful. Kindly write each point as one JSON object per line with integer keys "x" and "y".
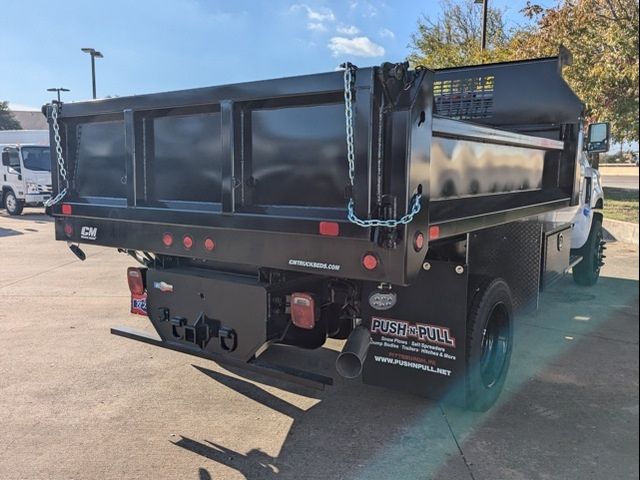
{"x": 256, "y": 174}
{"x": 402, "y": 210}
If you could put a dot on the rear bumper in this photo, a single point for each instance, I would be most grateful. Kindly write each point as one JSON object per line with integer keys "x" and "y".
{"x": 339, "y": 257}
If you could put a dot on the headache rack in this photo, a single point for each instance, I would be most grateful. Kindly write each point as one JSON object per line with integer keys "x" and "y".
{"x": 260, "y": 169}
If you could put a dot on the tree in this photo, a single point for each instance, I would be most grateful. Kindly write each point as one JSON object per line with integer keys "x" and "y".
{"x": 601, "y": 34}
{"x": 453, "y": 39}
{"x": 603, "y": 37}
{"x": 7, "y": 120}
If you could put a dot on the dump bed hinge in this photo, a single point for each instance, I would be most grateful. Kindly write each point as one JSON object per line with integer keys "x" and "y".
{"x": 415, "y": 203}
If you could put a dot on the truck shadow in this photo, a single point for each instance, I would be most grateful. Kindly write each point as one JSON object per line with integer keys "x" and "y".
{"x": 203, "y": 474}
{"x": 344, "y": 431}
{"x": 31, "y": 216}
{"x": 253, "y": 464}
{"x": 8, "y": 232}
{"x": 355, "y": 431}
{"x": 350, "y": 426}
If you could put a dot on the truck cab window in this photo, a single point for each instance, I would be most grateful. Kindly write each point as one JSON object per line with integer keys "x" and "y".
{"x": 37, "y": 158}
{"x": 14, "y": 159}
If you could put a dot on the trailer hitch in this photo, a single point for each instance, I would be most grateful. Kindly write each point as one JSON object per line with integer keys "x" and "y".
{"x": 201, "y": 331}
{"x": 228, "y": 334}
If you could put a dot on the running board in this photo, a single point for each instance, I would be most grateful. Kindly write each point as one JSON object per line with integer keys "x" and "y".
{"x": 293, "y": 375}
{"x": 573, "y": 261}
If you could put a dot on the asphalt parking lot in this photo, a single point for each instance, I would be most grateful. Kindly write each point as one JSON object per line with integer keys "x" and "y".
{"x": 79, "y": 403}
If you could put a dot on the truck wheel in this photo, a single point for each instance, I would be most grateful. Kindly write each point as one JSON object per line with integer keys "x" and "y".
{"x": 587, "y": 271}
{"x": 12, "y": 204}
{"x": 489, "y": 342}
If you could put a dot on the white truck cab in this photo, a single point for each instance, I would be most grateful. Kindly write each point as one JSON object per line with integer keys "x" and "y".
{"x": 25, "y": 176}
{"x": 587, "y": 240}
{"x": 591, "y": 202}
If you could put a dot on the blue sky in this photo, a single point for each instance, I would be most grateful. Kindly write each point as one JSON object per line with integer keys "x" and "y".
{"x": 152, "y": 46}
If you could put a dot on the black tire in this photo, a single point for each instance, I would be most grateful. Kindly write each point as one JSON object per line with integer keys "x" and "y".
{"x": 12, "y": 204}
{"x": 587, "y": 272}
{"x": 489, "y": 341}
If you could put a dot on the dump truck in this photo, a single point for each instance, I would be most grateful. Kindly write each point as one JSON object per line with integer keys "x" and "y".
{"x": 410, "y": 212}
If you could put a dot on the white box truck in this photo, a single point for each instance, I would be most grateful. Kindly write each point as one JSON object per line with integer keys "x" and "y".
{"x": 25, "y": 172}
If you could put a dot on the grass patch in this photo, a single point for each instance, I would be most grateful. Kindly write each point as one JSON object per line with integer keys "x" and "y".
{"x": 621, "y": 204}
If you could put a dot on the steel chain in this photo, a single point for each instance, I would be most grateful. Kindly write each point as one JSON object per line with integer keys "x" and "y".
{"x": 62, "y": 171}
{"x": 351, "y": 214}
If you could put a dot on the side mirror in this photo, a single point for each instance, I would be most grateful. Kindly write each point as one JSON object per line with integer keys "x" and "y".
{"x": 5, "y": 159}
{"x": 598, "y": 138}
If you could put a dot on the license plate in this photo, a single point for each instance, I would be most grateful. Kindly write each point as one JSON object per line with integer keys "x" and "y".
{"x": 139, "y": 304}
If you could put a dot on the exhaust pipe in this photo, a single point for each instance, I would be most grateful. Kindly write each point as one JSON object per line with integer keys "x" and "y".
{"x": 349, "y": 362}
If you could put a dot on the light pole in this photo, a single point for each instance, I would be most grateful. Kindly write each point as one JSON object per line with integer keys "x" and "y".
{"x": 94, "y": 54}
{"x": 61, "y": 89}
{"x": 485, "y": 11}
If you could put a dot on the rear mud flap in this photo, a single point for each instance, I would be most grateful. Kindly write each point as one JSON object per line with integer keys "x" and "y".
{"x": 418, "y": 344}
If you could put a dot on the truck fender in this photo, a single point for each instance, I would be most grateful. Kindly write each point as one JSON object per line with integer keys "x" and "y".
{"x": 581, "y": 227}
{"x": 598, "y": 203}
{"x": 597, "y": 192}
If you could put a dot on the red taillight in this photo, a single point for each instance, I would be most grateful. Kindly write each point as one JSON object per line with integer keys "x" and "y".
{"x": 66, "y": 209}
{"x": 68, "y": 230}
{"x": 303, "y": 310}
{"x": 370, "y": 261}
{"x": 209, "y": 244}
{"x": 167, "y": 239}
{"x": 434, "y": 232}
{"x": 187, "y": 242}
{"x": 135, "y": 280}
{"x": 330, "y": 229}
{"x": 418, "y": 241}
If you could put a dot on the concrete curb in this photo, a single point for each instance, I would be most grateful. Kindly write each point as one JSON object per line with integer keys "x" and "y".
{"x": 625, "y": 232}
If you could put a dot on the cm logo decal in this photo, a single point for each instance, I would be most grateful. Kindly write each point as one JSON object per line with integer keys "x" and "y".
{"x": 88, "y": 233}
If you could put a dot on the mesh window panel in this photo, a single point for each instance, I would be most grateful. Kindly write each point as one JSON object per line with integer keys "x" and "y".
{"x": 464, "y": 98}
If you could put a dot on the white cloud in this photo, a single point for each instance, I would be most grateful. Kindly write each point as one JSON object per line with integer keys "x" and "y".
{"x": 371, "y": 11}
{"x": 319, "y": 15}
{"x": 326, "y": 15}
{"x": 358, "y": 46}
{"x": 366, "y": 8}
{"x": 316, "y": 27}
{"x": 386, "y": 33}
{"x": 348, "y": 29}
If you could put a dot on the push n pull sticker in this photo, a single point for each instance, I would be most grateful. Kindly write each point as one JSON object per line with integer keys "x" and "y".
{"x": 420, "y": 331}
{"x": 416, "y": 346}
